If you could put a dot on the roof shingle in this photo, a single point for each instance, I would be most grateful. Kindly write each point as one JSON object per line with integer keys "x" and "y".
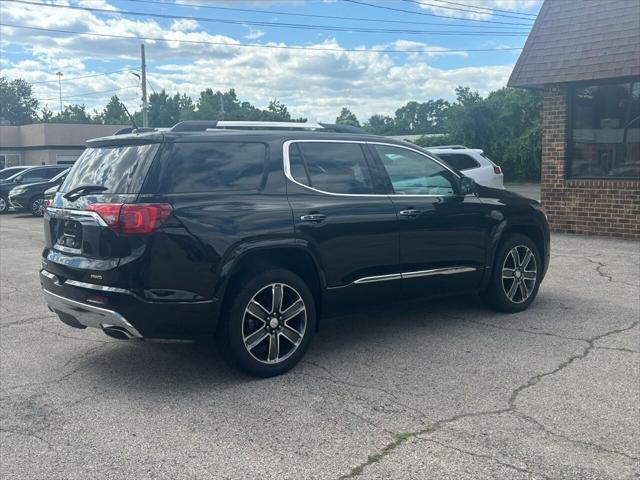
{"x": 580, "y": 40}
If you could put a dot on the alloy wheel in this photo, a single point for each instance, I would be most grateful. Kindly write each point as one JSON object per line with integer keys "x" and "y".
{"x": 37, "y": 207}
{"x": 274, "y": 323}
{"x": 519, "y": 273}
{"x": 3, "y": 205}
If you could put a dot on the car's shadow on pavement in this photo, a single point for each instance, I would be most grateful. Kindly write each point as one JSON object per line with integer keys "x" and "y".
{"x": 389, "y": 330}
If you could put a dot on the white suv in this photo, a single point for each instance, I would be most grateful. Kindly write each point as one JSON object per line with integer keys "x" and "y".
{"x": 472, "y": 162}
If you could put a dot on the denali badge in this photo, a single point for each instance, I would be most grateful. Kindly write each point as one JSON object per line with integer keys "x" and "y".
{"x": 97, "y": 277}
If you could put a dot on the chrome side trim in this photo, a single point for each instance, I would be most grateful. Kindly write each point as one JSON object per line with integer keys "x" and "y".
{"x": 93, "y": 286}
{"x": 89, "y": 315}
{"x": 438, "y": 271}
{"x": 287, "y": 167}
{"x": 416, "y": 274}
{"x": 379, "y": 278}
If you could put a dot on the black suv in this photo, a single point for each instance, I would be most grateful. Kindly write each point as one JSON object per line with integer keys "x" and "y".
{"x": 28, "y": 175}
{"x": 254, "y": 235}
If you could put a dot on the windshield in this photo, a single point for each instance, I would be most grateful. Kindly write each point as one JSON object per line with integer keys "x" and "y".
{"x": 121, "y": 169}
{"x": 17, "y": 174}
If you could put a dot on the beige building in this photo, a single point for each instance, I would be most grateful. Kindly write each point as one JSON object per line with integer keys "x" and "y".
{"x": 47, "y": 143}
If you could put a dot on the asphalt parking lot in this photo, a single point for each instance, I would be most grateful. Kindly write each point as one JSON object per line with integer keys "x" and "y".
{"x": 444, "y": 389}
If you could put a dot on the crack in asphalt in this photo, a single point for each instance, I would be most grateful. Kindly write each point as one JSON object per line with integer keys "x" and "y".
{"x": 62, "y": 378}
{"x": 402, "y": 437}
{"x": 600, "y": 266}
{"x": 25, "y": 321}
{"x": 483, "y": 456}
{"x": 27, "y": 434}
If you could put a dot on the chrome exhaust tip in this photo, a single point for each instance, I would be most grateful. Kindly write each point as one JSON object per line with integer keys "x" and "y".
{"x": 120, "y": 333}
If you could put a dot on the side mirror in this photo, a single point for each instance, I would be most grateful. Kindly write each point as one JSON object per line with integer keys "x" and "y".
{"x": 467, "y": 186}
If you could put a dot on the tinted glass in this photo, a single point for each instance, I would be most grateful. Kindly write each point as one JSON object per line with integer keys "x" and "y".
{"x": 296, "y": 165}
{"x": 605, "y": 131}
{"x": 121, "y": 169}
{"x": 36, "y": 174}
{"x": 333, "y": 167}
{"x": 211, "y": 166}
{"x": 458, "y": 161}
{"x": 414, "y": 174}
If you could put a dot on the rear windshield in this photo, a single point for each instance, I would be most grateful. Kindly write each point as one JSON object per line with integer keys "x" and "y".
{"x": 212, "y": 166}
{"x": 458, "y": 161}
{"x": 122, "y": 169}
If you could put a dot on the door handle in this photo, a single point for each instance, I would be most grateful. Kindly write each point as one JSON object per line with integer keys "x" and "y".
{"x": 412, "y": 212}
{"x": 314, "y": 217}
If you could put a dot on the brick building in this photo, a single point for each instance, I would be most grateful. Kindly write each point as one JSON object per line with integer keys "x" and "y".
{"x": 585, "y": 56}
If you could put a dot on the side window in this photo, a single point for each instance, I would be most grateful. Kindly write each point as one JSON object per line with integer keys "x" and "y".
{"x": 34, "y": 175}
{"x": 331, "y": 167}
{"x": 414, "y": 174}
{"x": 458, "y": 161}
{"x": 211, "y": 166}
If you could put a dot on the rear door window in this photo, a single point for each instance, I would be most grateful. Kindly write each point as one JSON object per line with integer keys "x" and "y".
{"x": 122, "y": 169}
{"x": 459, "y": 161}
{"x": 331, "y": 167}
{"x": 212, "y": 166}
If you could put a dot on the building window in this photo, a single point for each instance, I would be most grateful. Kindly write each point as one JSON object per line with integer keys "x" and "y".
{"x": 9, "y": 160}
{"x": 604, "y": 129}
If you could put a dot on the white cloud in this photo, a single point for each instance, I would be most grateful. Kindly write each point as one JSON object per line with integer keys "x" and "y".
{"x": 315, "y": 84}
{"x": 479, "y": 9}
{"x": 254, "y": 34}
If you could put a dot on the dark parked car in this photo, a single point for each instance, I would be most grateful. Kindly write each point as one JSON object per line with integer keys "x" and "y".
{"x": 29, "y": 175}
{"x": 10, "y": 172}
{"x": 30, "y": 197}
{"x": 255, "y": 235}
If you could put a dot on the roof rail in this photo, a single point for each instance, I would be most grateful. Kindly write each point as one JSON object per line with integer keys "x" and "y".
{"x": 206, "y": 125}
{"x": 452, "y": 147}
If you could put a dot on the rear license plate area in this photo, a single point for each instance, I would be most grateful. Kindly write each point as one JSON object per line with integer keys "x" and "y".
{"x": 69, "y": 235}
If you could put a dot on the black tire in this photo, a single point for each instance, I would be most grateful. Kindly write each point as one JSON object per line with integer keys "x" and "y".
{"x": 4, "y": 204}
{"x": 33, "y": 206}
{"x": 499, "y": 294}
{"x": 239, "y": 326}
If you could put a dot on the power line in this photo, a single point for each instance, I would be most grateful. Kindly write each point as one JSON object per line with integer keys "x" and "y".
{"x": 466, "y": 10}
{"x": 260, "y": 45}
{"x": 89, "y": 94}
{"x": 84, "y": 76}
{"x": 308, "y": 15}
{"x": 487, "y": 9}
{"x": 272, "y": 24}
{"x": 384, "y": 7}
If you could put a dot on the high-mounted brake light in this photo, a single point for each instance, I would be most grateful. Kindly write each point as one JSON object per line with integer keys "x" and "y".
{"x": 132, "y": 218}
{"x": 497, "y": 170}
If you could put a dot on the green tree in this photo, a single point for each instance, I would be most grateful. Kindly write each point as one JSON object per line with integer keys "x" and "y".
{"x": 347, "y": 117}
{"x": 380, "y": 125}
{"x": 17, "y": 104}
{"x": 73, "y": 114}
{"x": 114, "y": 113}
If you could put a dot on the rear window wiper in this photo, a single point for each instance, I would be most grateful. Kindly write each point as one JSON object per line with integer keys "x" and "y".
{"x": 76, "y": 193}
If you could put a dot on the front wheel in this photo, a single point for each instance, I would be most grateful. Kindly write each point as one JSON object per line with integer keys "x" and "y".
{"x": 269, "y": 323}
{"x": 516, "y": 275}
{"x": 4, "y": 204}
{"x": 36, "y": 206}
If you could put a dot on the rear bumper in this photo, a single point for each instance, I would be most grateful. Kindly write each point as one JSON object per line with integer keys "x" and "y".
{"x": 82, "y": 305}
{"x": 82, "y": 315}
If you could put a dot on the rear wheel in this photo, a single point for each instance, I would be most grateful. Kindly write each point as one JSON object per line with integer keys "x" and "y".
{"x": 4, "y": 204}
{"x": 269, "y": 323}
{"x": 36, "y": 206}
{"x": 516, "y": 275}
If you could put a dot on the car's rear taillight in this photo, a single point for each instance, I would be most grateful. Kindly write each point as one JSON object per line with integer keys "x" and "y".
{"x": 132, "y": 218}
{"x": 497, "y": 170}
{"x": 48, "y": 202}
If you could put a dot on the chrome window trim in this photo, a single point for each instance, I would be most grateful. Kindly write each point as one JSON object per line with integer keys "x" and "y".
{"x": 287, "y": 167}
{"x": 415, "y": 274}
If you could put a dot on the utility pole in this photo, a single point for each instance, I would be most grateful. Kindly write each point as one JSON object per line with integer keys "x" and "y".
{"x": 143, "y": 68}
{"x": 60, "y": 74}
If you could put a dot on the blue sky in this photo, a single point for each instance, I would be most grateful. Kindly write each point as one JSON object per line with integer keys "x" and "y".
{"x": 313, "y": 83}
